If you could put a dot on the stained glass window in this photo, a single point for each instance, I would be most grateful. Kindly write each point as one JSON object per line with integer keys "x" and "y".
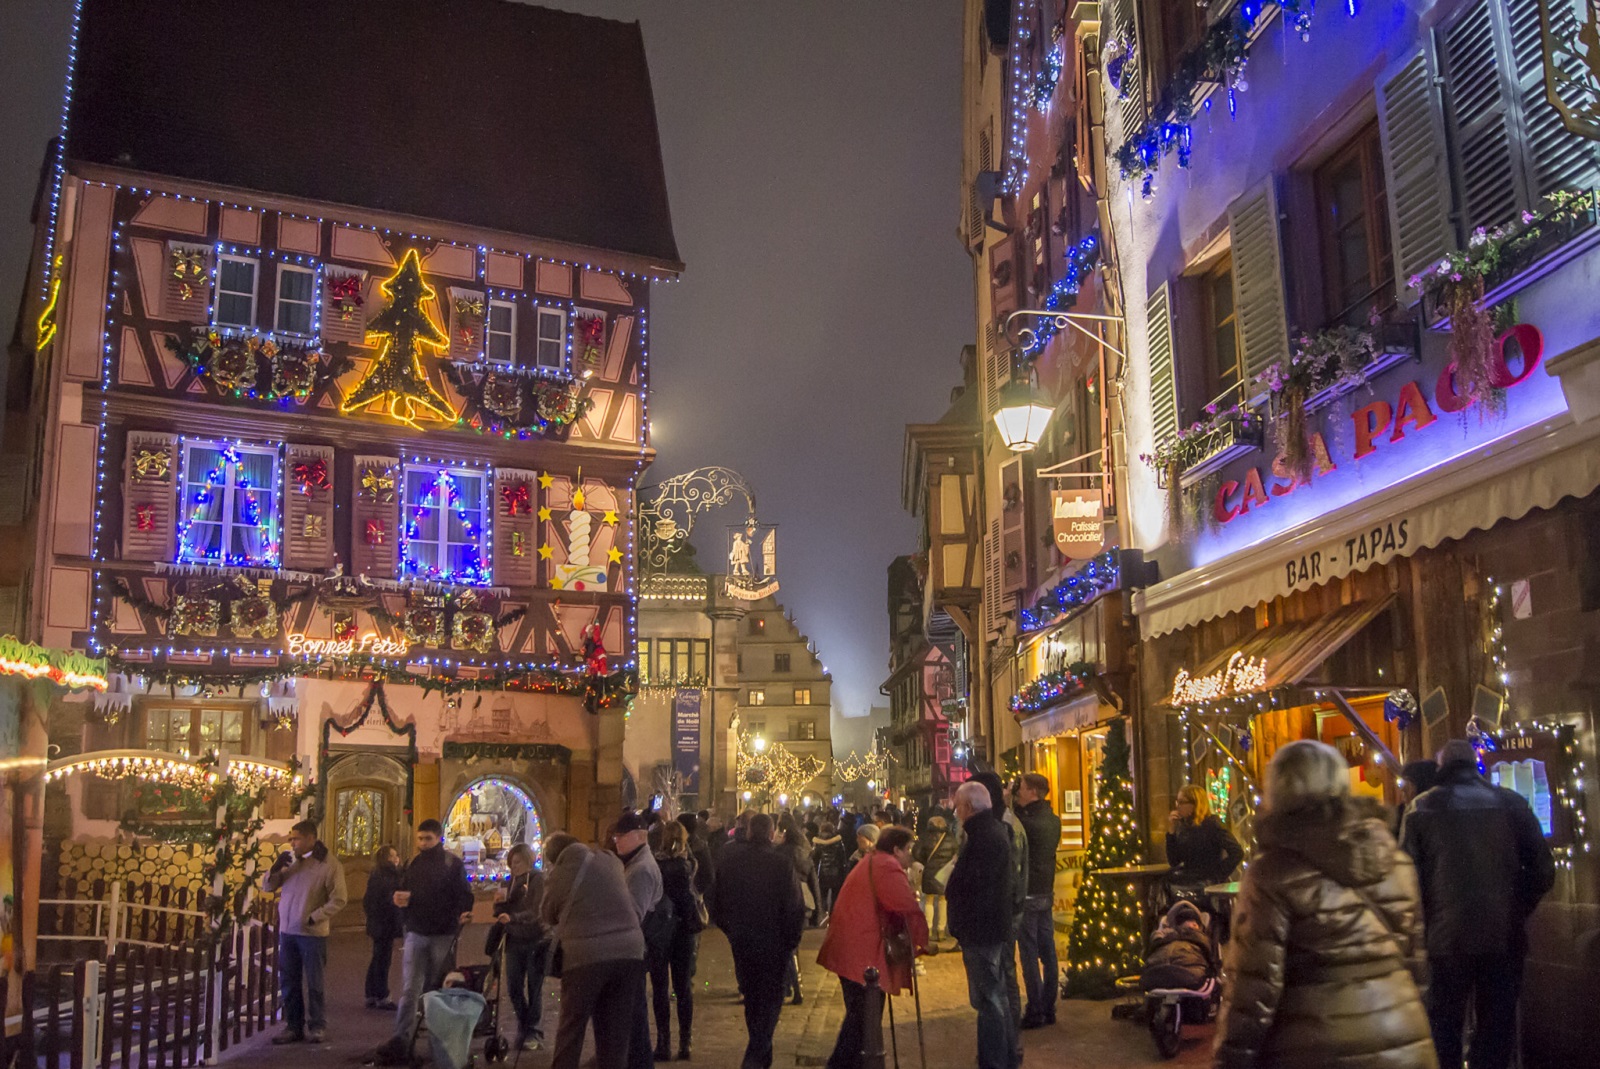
{"x": 360, "y": 820}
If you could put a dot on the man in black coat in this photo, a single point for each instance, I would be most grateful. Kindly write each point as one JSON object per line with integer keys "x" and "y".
{"x": 978, "y": 901}
{"x": 1036, "y": 938}
{"x": 756, "y": 902}
{"x": 1483, "y": 864}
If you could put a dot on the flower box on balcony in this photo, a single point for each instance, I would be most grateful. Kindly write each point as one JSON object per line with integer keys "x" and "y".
{"x": 1396, "y": 343}
{"x": 1215, "y": 447}
{"x": 1532, "y": 250}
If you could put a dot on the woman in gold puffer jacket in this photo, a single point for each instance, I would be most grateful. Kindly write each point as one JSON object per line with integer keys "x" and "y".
{"x": 1326, "y": 961}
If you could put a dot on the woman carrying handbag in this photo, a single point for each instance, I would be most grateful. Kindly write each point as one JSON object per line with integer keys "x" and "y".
{"x": 878, "y": 924}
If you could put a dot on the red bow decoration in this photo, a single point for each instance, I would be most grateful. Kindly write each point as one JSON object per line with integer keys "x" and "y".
{"x": 347, "y": 288}
{"x": 375, "y": 532}
{"x": 311, "y": 475}
{"x": 518, "y": 498}
{"x": 144, "y": 517}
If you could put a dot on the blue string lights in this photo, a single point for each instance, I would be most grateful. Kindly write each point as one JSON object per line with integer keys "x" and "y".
{"x": 1047, "y": 78}
{"x": 1050, "y": 688}
{"x": 226, "y": 502}
{"x": 1083, "y": 586}
{"x": 444, "y": 492}
{"x": 1082, "y": 258}
{"x": 1218, "y": 60}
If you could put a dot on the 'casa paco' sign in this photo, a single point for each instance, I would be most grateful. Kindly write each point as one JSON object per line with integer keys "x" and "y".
{"x": 369, "y": 644}
{"x": 1379, "y": 428}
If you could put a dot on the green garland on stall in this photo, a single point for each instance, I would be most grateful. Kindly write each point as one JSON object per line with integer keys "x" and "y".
{"x": 507, "y": 751}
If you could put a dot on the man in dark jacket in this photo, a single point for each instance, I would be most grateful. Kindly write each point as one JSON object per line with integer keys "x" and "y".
{"x": 437, "y": 901}
{"x": 757, "y": 903}
{"x": 1036, "y": 937}
{"x": 1017, "y": 836}
{"x": 978, "y": 898}
{"x": 704, "y": 867}
{"x": 1483, "y": 864}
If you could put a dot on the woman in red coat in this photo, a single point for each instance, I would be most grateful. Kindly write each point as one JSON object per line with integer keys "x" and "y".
{"x": 876, "y": 899}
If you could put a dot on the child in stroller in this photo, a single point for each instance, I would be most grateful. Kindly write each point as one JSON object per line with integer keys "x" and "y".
{"x": 1179, "y": 978}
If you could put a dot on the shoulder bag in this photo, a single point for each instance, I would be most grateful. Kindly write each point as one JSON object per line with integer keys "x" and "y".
{"x": 556, "y": 956}
{"x": 898, "y": 951}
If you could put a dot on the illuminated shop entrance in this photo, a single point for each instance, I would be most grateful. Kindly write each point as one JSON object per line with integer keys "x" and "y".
{"x": 490, "y": 816}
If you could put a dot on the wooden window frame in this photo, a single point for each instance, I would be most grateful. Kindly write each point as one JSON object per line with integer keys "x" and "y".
{"x": 757, "y": 696}
{"x": 782, "y": 661}
{"x": 802, "y": 695}
{"x": 249, "y": 730}
{"x": 1217, "y": 274}
{"x": 443, "y": 542}
{"x": 490, "y": 333}
{"x": 803, "y": 729}
{"x": 1364, "y": 148}
{"x": 559, "y": 315}
{"x": 255, "y": 292}
{"x": 273, "y": 489}
{"x": 310, "y": 305}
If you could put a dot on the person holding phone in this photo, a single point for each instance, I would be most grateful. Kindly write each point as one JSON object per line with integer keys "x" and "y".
{"x": 310, "y": 885}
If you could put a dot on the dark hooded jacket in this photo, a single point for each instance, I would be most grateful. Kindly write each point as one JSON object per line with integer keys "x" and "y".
{"x": 1317, "y": 978}
{"x": 1179, "y": 955}
{"x": 1482, "y": 860}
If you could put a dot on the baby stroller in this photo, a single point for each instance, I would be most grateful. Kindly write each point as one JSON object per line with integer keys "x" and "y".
{"x": 485, "y": 980}
{"x": 1180, "y": 978}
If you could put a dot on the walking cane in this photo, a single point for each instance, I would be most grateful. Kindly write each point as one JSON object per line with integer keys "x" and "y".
{"x": 894, "y": 1040}
{"x": 916, "y": 1000}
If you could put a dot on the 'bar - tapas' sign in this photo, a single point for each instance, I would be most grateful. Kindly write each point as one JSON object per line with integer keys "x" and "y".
{"x": 370, "y": 644}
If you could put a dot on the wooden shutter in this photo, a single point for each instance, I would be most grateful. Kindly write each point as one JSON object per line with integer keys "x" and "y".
{"x": 1013, "y": 527}
{"x": 375, "y": 515}
{"x": 1557, "y": 158}
{"x": 308, "y": 510}
{"x": 1163, "y": 380}
{"x": 1005, "y": 273}
{"x": 467, "y": 311}
{"x": 1411, "y": 124}
{"x": 1482, "y": 117}
{"x": 993, "y": 578}
{"x": 516, "y": 537}
{"x": 1258, "y": 298}
{"x": 186, "y": 295}
{"x": 336, "y": 325}
{"x": 995, "y": 370}
{"x": 149, "y": 496}
{"x": 1130, "y": 106}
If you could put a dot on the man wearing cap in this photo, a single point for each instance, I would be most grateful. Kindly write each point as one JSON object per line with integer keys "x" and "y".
{"x": 631, "y": 837}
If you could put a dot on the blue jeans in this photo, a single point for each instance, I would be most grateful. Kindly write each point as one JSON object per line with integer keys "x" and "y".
{"x": 986, "y": 989}
{"x": 301, "y": 960}
{"x": 524, "y": 967}
{"x": 426, "y": 960}
{"x": 1036, "y": 939}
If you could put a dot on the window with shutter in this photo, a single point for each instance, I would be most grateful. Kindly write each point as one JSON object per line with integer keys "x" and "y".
{"x": 1258, "y": 281}
{"x": 443, "y": 524}
{"x": 551, "y": 351}
{"x": 344, "y": 311}
{"x": 993, "y": 361}
{"x": 308, "y": 508}
{"x": 187, "y": 292}
{"x": 228, "y": 504}
{"x": 149, "y": 496}
{"x": 375, "y": 512}
{"x": 1003, "y": 272}
{"x": 500, "y": 332}
{"x": 993, "y": 577}
{"x": 297, "y": 300}
{"x": 237, "y": 278}
{"x": 1130, "y": 105}
{"x": 1557, "y": 157}
{"x": 1416, "y": 170}
{"x": 1163, "y": 381}
{"x": 516, "y": 526}
{"x": 1482, "y": 119}
{"x": 1013, "y": 527}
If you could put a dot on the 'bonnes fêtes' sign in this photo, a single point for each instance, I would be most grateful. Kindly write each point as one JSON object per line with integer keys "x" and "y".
{"x": 1241, "y": 675}
{"x": 370, "y": 644}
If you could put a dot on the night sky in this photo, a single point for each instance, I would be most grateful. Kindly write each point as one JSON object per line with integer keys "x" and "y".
{"x": 813, "y": 161}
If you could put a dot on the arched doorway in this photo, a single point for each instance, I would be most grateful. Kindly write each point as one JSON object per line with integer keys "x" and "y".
{"x": 365, "y": 810}
{"x": 490, "y": 816}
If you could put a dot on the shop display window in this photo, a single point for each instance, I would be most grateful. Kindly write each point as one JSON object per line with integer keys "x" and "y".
{"x": 488, "y": 818}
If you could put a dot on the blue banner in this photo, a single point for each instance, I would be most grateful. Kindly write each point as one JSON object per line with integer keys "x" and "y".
{"x": 686, "y": 739}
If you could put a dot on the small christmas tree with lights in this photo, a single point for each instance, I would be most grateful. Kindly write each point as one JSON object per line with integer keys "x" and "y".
{"x": 1106, "y": 923}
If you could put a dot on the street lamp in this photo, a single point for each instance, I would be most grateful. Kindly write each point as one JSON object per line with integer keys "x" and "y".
{"x": 747, "y": 796}
{"x": 1022, "y": 416}
{"x": 759, "y": 744}
{"x": 783, "y": 799}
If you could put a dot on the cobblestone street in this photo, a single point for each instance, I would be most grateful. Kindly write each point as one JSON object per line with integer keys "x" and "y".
{"x": 1084, "y": 1034}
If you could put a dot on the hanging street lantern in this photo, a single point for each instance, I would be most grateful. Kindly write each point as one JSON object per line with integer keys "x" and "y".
{"x": 1024, "y": 411}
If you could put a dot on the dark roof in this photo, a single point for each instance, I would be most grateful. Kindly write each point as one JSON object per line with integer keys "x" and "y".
{"x": 484, "y": 112}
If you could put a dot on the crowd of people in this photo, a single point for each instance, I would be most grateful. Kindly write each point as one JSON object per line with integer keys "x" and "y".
{"x": 1358, "y": 937}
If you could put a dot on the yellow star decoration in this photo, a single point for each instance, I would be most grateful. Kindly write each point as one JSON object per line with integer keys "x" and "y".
{"x": 610, "y": 518}
{"x": 577, "y": 500}
{"x": 545, "y": 480}
{"x": 544, "y": 513}
{"x": 395, "y": 377}
{"x": 544, "y": 551}
{"x": 614, "y": 555}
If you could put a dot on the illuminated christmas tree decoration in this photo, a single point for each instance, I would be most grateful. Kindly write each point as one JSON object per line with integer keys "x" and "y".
{"x": 1106, "y": 923}
{"x": 396, "y": 378}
